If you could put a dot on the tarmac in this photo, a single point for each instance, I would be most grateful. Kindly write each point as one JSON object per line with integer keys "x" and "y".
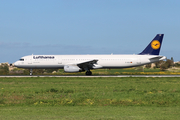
{"x": 92, "y": 76}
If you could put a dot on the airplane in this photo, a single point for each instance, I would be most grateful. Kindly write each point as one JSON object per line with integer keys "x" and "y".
{"x": 80, "y": 63}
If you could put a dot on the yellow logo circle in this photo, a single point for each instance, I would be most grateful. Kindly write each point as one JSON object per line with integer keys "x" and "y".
{"x": 155, "y": 44}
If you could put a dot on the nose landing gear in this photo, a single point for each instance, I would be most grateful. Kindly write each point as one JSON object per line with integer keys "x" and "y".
{"x": 31, "y": 72}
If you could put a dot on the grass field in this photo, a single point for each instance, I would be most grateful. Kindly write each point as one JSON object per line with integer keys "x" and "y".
{"x": 90, "y": 98}
{"x": 89, "y": 113}
{"x": 125, "y": 71}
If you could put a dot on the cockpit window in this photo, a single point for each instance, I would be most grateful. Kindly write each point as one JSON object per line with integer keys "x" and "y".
{"x": 21, "y": 59}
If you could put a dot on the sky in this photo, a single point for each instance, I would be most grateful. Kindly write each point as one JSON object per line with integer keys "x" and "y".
{"x": 58, "y": 27}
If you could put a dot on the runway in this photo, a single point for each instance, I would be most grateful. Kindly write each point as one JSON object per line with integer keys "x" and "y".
{"x": 92, "y": 76}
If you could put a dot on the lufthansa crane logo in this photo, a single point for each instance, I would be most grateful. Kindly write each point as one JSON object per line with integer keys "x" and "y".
{"x": 155, "y": 44}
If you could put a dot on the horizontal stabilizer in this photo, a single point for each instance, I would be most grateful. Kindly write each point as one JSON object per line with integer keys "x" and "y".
{"x": 158, "y": 58}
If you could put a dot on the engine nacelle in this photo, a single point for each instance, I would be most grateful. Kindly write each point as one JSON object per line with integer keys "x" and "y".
{"x": 71, "y": 68}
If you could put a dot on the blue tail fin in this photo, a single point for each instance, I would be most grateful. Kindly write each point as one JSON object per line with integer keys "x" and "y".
{"x": 154, "y": 46}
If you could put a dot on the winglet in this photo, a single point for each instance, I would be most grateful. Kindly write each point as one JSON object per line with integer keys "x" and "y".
{"x": 154, "y": 46}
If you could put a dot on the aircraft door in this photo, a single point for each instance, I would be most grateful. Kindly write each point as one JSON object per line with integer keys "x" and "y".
{"x": 139, "y": 60}
{"x": 30, "y": 60}
{"x": 59, "y": 61}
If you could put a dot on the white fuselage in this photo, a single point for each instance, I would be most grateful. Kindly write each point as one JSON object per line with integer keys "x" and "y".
{"x": 105, "y": 61}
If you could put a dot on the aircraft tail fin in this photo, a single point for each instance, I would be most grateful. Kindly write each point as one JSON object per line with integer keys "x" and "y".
{"x": 154, "y": 46}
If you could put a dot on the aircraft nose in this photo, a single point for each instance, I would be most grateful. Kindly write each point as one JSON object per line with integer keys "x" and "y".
{"x": 16, "y": 64}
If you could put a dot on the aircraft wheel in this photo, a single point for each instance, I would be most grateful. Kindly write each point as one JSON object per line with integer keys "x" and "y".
{"x": 88, "y": 72}
{"x": 31, "y": 72}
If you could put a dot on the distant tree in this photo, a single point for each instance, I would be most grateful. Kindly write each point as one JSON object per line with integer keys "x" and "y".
{"x": 159, "y": 63}
{"x": 148, "y": 65}
{"x": 4, "y": 69}
{"x": 169, "y": 63}
{"x": 172, "y": 60}
{"x": 177, "y": 65}
{"x": 164, "y": 66}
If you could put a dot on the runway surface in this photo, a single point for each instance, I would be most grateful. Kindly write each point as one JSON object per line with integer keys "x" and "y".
{"x": 95, "y": 76}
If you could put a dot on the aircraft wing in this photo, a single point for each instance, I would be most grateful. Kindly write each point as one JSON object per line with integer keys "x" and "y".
{"x": 86, "y": 65}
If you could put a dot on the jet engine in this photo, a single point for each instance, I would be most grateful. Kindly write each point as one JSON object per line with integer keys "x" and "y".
{"x": 71, "y": 68}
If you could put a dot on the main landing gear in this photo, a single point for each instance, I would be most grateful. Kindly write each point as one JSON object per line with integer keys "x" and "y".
{"x": 88, "y": 72}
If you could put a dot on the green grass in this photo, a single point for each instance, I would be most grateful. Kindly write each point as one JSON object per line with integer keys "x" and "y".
{"x": 89, "y": 113}
{"x": 90, "y": 98}
{"x": 90, "y": 91}
{"x": 125, "y": 71}
{"x": 137, "y": 69}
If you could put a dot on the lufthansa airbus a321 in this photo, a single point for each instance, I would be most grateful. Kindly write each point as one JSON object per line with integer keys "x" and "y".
{"x": 80, "y": 63}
